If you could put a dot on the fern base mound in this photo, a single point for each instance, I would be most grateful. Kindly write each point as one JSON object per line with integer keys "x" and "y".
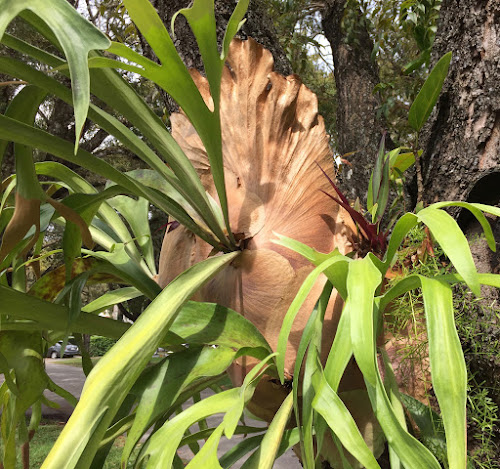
{"x": 272, "y": 139}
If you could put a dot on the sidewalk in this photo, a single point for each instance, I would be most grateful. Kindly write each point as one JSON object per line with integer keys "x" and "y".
{"x": 72, "y": 379}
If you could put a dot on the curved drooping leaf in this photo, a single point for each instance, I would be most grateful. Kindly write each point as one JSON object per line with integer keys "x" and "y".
{"x": 477, "y": 211}
{"x": 15, "y": 131}
{"x": 333, "y": 410}
{"x": 294, "y": 308}
{"x": 449, "y": 374}
{"x": 66, "y": 24}
{"x": 408, "y": 283}
{"x": 399, "y": 232}
{"x": 427, "y": 97}
{"x": 453, "y": 242}
{"x": 163, "y": 444}
{"x": 487, "y": 208}
{"x": 337, "y": 273}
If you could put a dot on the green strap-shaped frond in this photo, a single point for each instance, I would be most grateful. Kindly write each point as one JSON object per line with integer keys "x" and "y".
{"x": 454, "y": 243}
{"x": 77, "y": 38}
{"x": 114, "y": 375}
{"x": 449, "y": 374}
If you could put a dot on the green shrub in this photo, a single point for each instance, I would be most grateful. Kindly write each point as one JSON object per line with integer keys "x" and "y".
{"x": 100, "y": 345}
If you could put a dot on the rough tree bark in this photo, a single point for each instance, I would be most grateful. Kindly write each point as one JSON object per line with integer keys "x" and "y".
{"x": 461, "y": 159}
{"x": 356, "y": 75}
{"x": 462, "y": 141}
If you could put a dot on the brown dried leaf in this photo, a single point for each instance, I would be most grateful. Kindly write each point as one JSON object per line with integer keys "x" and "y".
{"x": 70, "y": 215}
{"x": 51, "y": 284}
{"x": 26, "y": 214}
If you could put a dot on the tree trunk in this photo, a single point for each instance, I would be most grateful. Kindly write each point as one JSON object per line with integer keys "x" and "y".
{"x": 356, "y": 75}
{"x": 461, "y": 143}
{"x": 461, "y": 159}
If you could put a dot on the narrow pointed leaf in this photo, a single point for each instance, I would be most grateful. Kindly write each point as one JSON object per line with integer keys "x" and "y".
{"x": 337, "y": 273}
{"x": 329, "y": 405}
{"x": 110, "y": 299}
{"x": 427, "y": 97}
{"x": 267, "y": 452}
{"x": 206, "y": 458}
{"x": 376, "y": 179}
{"x": 362, "y": 281}
{"x": 399, "y": 232}
{"x": 233, "y": 26}
{"x": 449, "y": 375}
{"x": 67, "y": 24}
{"x": 164, "y": 442}
{"x": 294, "y": 308}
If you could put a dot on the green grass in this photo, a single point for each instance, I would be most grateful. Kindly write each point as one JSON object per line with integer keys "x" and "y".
{"x": 45, "y": 438}
{"x": 77, "y": 361}
{"x": 74, "y": 361}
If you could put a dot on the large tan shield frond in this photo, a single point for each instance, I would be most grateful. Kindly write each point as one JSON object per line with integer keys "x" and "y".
{"x": 272, "y": 139}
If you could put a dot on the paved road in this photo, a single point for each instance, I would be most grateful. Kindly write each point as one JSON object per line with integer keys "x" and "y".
{"x": 72, "y": 379}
